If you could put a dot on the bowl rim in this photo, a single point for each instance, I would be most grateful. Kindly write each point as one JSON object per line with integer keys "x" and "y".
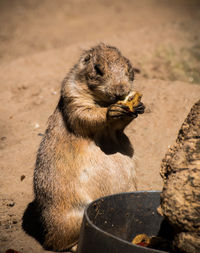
{"x": 150, "y": 250}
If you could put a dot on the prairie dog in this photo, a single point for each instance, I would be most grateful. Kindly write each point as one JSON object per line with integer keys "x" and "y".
{"x": 85, "y": 154}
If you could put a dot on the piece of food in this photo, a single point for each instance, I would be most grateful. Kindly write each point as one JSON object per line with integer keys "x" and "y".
{"x": 132, "y": 100}
{"x": 141, "y": 239}
{"x": 154, "y": 242}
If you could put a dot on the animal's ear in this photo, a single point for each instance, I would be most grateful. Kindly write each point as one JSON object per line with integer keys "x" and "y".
{"x": 86, "y": 57}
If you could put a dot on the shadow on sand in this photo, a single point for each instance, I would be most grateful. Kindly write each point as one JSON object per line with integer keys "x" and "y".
{"x": 31, "y": 222}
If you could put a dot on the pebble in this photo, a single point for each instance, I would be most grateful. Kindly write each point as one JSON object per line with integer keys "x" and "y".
{"x": 37, "y": 125}
{"x": 11, "y": 204}
{"x": 191, "y": 79}
{"x": 22, "y": 177}
{"x": 53, "y": 92}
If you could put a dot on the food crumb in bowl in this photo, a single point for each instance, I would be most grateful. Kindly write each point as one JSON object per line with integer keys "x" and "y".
{"x": 153, "y": 242}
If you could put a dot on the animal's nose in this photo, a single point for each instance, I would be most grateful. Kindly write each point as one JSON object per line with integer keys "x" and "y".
{"x": 118, "y": 97}
{"x": 121, "y": 91}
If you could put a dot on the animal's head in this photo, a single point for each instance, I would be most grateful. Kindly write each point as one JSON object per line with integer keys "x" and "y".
{"x": 107, "y": 73}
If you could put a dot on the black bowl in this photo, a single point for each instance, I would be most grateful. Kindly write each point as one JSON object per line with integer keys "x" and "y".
{"x": 110, "y": 223}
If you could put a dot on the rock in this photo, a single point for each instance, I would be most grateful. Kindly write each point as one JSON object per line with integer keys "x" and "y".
{"x": 22, "y": 177}
{"x": 187, "y": 242}
{"x": 180, "y": 198}
{"x": 11, "y": 204}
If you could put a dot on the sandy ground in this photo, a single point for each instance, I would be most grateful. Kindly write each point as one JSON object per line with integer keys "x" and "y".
{"x": 41, "y": 40}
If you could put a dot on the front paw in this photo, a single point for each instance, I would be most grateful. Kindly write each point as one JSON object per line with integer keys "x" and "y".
{"x": 139, "y": 109}
{"x": 117, "y": 111}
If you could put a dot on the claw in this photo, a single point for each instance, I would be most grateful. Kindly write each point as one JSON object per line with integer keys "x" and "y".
{"x": 139, "y": 108}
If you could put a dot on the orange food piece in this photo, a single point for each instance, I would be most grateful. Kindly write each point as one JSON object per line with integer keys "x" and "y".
{"x": 154, "y": 242}
{"x": 141, "y": 239}
{"x": 131, "y": 100}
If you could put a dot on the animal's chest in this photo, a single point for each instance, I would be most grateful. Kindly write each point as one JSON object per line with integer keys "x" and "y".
{"x": 103, "y": 174}
{"x": 96, "y": 163}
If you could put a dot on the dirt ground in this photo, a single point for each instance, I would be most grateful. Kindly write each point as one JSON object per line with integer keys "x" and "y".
{"x": 41, "y": 40}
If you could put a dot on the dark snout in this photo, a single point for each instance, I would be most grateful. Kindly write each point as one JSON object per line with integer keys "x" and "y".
{"x": 121, "y": 91}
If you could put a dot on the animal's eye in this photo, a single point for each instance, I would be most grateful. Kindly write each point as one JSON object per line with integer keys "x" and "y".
{"x": 98, "y": 70}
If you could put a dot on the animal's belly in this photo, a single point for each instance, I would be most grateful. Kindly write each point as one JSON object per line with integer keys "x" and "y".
{"x": 103, "y": 174}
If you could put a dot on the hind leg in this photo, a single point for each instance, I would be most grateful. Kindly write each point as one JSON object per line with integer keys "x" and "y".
{"x": 62, "y": 229}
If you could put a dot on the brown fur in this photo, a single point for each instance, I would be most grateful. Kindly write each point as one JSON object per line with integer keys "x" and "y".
{"x": 85, "y": 154}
